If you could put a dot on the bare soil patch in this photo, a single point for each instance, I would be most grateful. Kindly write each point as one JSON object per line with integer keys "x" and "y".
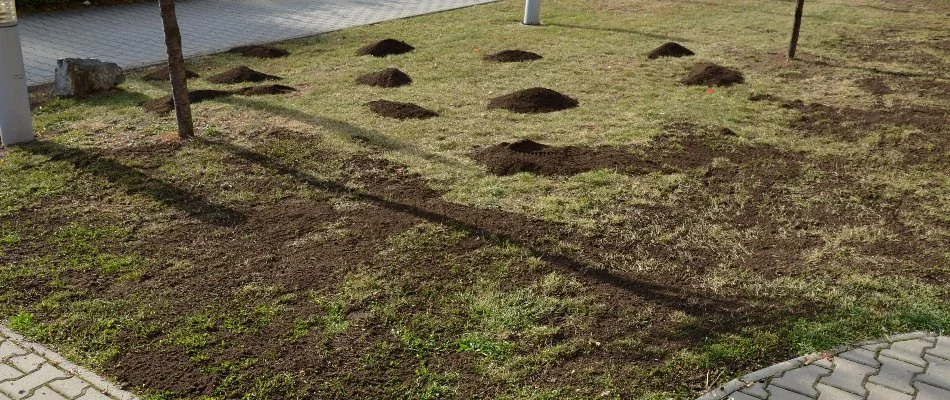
{"x": 385, "y": 47}
{"x": 875, "y": 85}
{"x": 260, "y": 51}
{"x": 166, "y": 104}
{"x": 387, "y": 78}
{"x": 513, "y": 56}
{"x": 161, "y": 74}
{"x": 670, "y": 49}
{"x": 263, "y": 90}
{"x": 394, "y": 109}
{"x": 533, "y": 100}
{"x": 706, "y": 73}
{"x": 529, "y": 156}
{"x": 241, "y": 74}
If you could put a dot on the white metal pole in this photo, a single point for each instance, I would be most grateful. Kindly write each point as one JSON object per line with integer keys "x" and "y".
{"x": 532, "y": 12}
{"x": 16, "y": 124}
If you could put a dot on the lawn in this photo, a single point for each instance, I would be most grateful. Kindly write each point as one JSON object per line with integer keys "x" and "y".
{"x": 303, "y": 247}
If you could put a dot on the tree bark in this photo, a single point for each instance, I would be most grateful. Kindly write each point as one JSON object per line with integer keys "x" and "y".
{"x": 176, "y": 69}
{"x": 795, "y": 29}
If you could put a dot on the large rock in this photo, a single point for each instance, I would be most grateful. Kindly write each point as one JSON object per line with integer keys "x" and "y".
{"x": 84, "y": 76}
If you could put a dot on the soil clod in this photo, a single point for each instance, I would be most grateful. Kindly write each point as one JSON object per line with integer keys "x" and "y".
{"x": 161, "y": 74}
{"x": 260, "y": 51}
{"x": 706, "y": 73}
{"x": 393, "y": 109}
{"x": 534, "y": 100}
{"x": 513, "y": 56}
{"x": 387, "y": 78}
{"x": 670, "y": 49}
{"x": 241, "y": 74}
{"x": 385, "y": 47}
{"x": 166, "y": 104}
{"x": 265, "y": 90}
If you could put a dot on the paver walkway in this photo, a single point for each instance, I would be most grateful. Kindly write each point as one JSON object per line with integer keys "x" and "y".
{"x": 30, "y": 371}
{"x": 132, "y": 36}
{"x": 914, "y": 366}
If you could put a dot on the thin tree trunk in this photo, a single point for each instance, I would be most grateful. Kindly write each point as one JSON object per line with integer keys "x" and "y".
{"x": 176, "y": 70}
{"x": 795, "y": 29}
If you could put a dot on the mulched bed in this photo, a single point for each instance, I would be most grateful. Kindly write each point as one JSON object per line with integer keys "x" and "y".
{"x": 260, "y": 51}
{"x": 385, "y": 47}
{"x": 387, "y": 78}
{"x": 161, "y": 74}
{"x": 533, "y": 100}
{"x": 670, "y": 49}
{"x": 241, "y": 74}
{"x": 265, "y": 90}
{"x": 706, "y": 73}
{"x": 393, "y": 109}
{"x": 513, "y": 56}
{"x": 166, "y": 104}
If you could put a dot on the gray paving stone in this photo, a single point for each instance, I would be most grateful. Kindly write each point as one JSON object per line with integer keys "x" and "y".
{"x": 21, "y": 388}
{"x": 830, "y": 393}
{"x": 757, "y": 390}
{"x": 927, "y": 392}
{"x": 937, "y": 373}
{"x": 9, "y": 349}
{"x": 773, "y": 370}
{"x": 72, "y": 387}
{"x": 801, "y": 380}
{"x": 93, "y": 395}
{"x": 45, "y": 393}
{"x": 27, "y": 362}
{"x": 8, "y": 372}
{"x": 878, "y": 392}
{"x": 848, "y": 375}
{"x": 777, "y": 393}
{"x": 909, "y": 351}
{"x": 896, "y": 374}
{"x": 942, "y": 349}
{"x": 863, "y": 356}
{"x": 741, "y": 396}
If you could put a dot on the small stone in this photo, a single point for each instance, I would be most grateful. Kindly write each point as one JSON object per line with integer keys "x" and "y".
{"x": 85, "y": 76}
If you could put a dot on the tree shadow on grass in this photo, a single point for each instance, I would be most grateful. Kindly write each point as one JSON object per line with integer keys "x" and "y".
{"x": 623, "y": 30}
{"x": 136, "y": 182}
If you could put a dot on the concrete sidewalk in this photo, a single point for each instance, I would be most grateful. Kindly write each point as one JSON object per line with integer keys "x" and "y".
{"x": 132, "y": 36}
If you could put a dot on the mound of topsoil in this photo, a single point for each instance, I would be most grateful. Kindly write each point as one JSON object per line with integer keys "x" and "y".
{"x": 706, "y": 73}
{"x": 513, "y": 56}
{"x": 260, "y": 51}
{"x": 264, "y": 90}
{"x": 670, "y": 49}
{"x": 241, "y": 74}
{"x": 161, "y": 74}
{"x": 385, "y": 47}
{"x": 165, "y": 104}
{"x": 387, "y": 78}
{"x": 398, "y": 110}
{"x": 530, "y": 156}
{"x": 534, "y": 100}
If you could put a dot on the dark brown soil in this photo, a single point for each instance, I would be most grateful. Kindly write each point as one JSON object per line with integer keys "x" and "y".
{"x": 875, "y": 85}
{"x": 710, "y": 74}
{"x": 387, "y": 78}
{"x": 534, "y": 100}
{"x": 161, "y": 74}
{"x": 529, "y": 156}
{"x": 265, "y": 90}
{"x": 670, "y": 49}
{"x": 393, "y": 109}
{"x": 513, "y": 56}
{"x": 385, "y": 47}
{"x": 165, "y": 104}
{"x": 260, "y": 51}
{"x": 241, "y": 74}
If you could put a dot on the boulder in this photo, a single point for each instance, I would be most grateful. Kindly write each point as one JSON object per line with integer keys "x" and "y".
{"x": 84, "y": 76}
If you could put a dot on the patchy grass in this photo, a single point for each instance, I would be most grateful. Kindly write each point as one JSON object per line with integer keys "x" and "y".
{"x": 303, "y": 247}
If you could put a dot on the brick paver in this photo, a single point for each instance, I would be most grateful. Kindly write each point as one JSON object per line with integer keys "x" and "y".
{"x": 131, "y": 35}
{"x": 29, "y": 371}
{"x": 912, "y": 366}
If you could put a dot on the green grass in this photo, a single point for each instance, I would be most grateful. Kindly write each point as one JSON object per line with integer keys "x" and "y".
{"x": 117, "y": 241}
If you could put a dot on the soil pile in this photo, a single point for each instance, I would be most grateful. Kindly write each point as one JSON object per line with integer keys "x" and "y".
{"x": 161, "y": 74}
{"x": 387, "y": 78}
{"x": 241, "y": 74}
{"x": 670, "y": 49}
{"x": 512, "y": 56}
{"x": 529, "y": 156}
{"x": 259, "y": 51}
{"x": 706, "y": 73}
{"x": 264, "y": 90}
{"x": 534, "y": 100}
{"x": 165, "y": 104}
{"x": 385, "y": 47}
{"x": 398, "y": 110}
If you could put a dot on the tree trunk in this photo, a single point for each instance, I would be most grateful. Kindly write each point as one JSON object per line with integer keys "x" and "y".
{"x": 176, "y": 70}
{"x": 795, "y": 29}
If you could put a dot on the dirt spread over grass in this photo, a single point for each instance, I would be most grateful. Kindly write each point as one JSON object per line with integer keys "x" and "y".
{"x": 670, "y": 49}
{"x": 533, "y": 100}
{"x": 385, "y": 47}
{"x": 166, "y": 104}
{"x": 397, "y": 110}
{"x": 513, "y": 56}
{"x": 260, "y": 51}
{"x": 387, "y": 78}
{"x": 263, "y": 90}
{"x": 710, "y": 74}
{"x": 161, "y": 74}
{"x": 241, "y": 74}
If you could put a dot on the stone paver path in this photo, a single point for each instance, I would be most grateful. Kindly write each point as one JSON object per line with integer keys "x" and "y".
{"x": 131, "y": 35}
{"x": 30, "y": 371}
{"x": 914, "y": 366}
